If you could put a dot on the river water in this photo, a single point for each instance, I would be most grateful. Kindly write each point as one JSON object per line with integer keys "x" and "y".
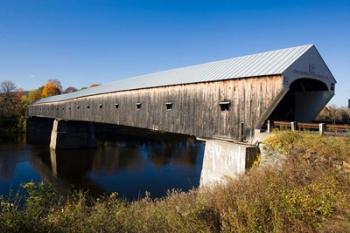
{"x": 129, "y": 166}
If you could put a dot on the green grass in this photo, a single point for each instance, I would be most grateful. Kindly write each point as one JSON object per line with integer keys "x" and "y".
{"x": 309, "y": 193}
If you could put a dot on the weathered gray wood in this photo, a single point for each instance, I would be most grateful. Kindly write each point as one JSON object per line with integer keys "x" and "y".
{"x": 241, "y": 131}
{"x": 195, "y": 111}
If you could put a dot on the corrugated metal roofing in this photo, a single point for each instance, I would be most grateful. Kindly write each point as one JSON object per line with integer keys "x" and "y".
{"x": 260, "y": 64}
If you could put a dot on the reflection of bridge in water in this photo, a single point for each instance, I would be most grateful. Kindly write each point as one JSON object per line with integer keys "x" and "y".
{"x": 222, "y": 102}
{"x": 121, "y": 159}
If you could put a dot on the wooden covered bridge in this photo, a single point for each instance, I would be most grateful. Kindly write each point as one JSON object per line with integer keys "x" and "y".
{"x": 222, "y": 102}
{"x": 210, "y": 100}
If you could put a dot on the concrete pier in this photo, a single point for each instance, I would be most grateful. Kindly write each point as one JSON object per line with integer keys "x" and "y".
{"x": 224, "y": 159}
{"x": 72, "y": 135}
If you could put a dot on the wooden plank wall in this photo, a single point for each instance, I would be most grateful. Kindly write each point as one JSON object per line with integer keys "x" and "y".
{"x": 195, "y": 111}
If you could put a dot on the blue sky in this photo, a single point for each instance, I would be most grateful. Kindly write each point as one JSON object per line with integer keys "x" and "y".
{"x": 98, "y": 41}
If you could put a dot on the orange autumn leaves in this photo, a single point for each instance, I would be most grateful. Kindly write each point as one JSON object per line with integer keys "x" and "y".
{"x": 52, "y": 87}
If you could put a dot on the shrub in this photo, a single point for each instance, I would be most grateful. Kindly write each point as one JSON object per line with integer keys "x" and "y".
{"x": 309, "y": 193}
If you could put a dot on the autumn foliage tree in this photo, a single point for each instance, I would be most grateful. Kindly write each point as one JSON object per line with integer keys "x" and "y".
{"x": 57, "y": 83}
{"x": 9, "y": 99}
{"x": 34, "y": 95}
{"x": 10, "y": 102}
{"x": 333, "y": 114}
{"x": 51, "y": 88}
{"x": 14, "y": 102}
{"x": 95, "y": 85}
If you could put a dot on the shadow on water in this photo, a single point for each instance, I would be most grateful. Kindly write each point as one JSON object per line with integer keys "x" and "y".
{"x": 125, "y": 161}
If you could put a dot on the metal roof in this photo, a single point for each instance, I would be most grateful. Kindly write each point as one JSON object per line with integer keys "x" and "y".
{"x": 260, "y": 64}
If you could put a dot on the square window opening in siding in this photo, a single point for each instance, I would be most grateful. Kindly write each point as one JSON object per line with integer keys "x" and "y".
{"x": 116, "y": 106}
{"x": 169, "y": 106}
{"x": 138, "y": 106}
{"x": 225, "y": 106}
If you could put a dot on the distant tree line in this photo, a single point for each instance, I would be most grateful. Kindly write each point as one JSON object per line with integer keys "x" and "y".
{"x": 14, "y": 102}
{"x": 333, "y": 114}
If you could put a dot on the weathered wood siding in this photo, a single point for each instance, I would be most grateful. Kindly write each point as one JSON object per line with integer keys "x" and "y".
{"x": 195, "y": 110}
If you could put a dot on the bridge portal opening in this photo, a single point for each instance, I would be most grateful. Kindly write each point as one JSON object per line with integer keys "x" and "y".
{"x": 303, "y": 101}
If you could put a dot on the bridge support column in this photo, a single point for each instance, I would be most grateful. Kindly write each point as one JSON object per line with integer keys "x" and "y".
{"x": 72, "y": 135}
{"x": 38, "y": 130}
{"x": 224, "y": 159}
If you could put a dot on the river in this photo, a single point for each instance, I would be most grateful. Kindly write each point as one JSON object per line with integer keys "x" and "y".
{"x": 129, "y": 166}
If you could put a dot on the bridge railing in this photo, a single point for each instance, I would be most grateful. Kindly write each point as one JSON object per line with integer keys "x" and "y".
{"x": 320, "y": 128}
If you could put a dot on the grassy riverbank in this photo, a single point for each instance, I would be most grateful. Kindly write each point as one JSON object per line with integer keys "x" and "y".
{"x": 310, "y": 192}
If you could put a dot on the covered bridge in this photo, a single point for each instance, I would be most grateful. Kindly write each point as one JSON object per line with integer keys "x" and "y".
{"x": 206, "y": 100}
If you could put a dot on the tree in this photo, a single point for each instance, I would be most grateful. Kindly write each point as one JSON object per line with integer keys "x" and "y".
{"x": 333, "y": 114}
{"x": 6, "y": 87}
{"x": 95, "y": 85}
{"x": 57, "y": 84}
{"x": 70, "y": 90}
{"x": 9, "y": 99}
{"x": 51, "y": 88}
{"x": 33, "y": 95}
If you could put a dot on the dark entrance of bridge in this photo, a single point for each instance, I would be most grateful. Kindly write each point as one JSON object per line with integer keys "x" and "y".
{"x": 301, "y": 101}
